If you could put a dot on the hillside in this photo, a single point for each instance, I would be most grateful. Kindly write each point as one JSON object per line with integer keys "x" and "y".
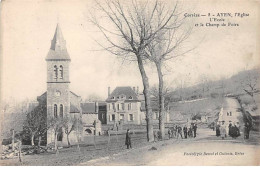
{"x": 233, "y": 85}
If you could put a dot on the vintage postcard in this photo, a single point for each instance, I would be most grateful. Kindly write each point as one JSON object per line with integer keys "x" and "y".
{"x": 130, "y": 83}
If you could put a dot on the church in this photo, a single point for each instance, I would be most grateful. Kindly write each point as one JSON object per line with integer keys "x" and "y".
{"x": 60, "y": 101}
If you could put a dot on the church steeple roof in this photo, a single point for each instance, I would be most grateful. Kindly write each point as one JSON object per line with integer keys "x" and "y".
{"x": 58, "y": 50}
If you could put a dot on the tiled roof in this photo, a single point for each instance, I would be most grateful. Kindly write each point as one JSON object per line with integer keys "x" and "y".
{"x": 88, "y": 108}
{"x": 74, "y": 94}
{"x": 42, "y": 98}
{"x": 58, "y": 55}
{"x": 127, "y": 92}
{"x": 73, "y": 109}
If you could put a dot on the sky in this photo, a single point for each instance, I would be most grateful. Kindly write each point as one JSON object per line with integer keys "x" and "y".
{"x": 27, "y": 28}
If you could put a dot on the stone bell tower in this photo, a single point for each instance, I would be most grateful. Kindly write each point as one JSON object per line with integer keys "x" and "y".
{"x": 58, "y": 82}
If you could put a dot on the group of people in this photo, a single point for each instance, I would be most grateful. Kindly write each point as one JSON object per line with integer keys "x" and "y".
{"x": 173, "y": 132}
{"x": 231, "y": 130}
{"x": 182, "y": 132}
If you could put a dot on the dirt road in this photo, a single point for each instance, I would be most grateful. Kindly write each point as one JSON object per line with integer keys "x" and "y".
{"x": 206, "y": 149}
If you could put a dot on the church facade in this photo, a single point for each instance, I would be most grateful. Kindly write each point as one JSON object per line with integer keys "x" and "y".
{"x": 61, "y": 102}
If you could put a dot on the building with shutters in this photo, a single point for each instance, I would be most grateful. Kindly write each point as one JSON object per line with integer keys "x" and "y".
{"x": 123, "y": 105}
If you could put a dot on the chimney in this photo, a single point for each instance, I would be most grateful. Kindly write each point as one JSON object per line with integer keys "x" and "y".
{"x": 137, "y": 90}
{"x": 108, "y": 91}
{"x": 134, "y": 89}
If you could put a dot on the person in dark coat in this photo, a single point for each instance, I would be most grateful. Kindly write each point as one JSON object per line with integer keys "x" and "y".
{"x": 195, "y": 130}
{"x": 218, "y": 130}
{"x": 169, "y": 133}
{"x": 128, "y": 139}
{"x": 247, "y": 130}
{"x": 190, "y": 131}
{"x": 179, "y": 132}
{"x": 185, "y": 131}
{"x": 236, "y": 131}
{"x": 229, "y": 129}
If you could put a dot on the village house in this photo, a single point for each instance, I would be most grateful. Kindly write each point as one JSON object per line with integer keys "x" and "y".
{"x": 126, "y": 105}
{"x": 123, "y": 105}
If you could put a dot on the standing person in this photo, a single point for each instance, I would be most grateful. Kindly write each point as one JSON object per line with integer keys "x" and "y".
{"x": 195, "y": 130}
{"x": 247, "y": 130}
{"x": 179, "y": 132}
{"x": 236, "y": 131}
{"x": 190, "y": 131}
{"x": 176, "y": 131}
{"x": 229, "y": 128}
{"x": 218, "y": 130}
{"x": 128, "y": 139}
{"x": 185, "y": 131}
{"x": 223, "y": 131}
{"x": 169, "y": 133}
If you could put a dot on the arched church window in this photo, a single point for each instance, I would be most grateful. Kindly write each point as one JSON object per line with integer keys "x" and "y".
{"x": 55, "y": 72}
{"x": 55, "y": 111}
{"x": 61, "y": 111}
{"x": 61, "y": 71}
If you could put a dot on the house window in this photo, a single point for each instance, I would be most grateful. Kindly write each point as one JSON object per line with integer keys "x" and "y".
{"x": 123, "y": 106}
{"x": 121, "y": 116}
{"x": 130, "y": 98}
{"x": 55, "y": 111}
{"x": 114, "y": 107}
{"x": 113, "y": 98}
{"x": 131, "y": 117}
{"x": 227, "y": 114}
{"x": 55, "y": 72}
{"x": 61, "y": 71}
{"x": 129, "y": 106}
{"x": 156, "y": 115}
{"x": 118, "y": 106}
{"x": 113, "y": 117}
{"x": 230, "y": 113}
{"x": 61, "y": 111}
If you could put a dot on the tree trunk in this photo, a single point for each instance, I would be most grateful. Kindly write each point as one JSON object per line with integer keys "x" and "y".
{"x": 20, "y": 151}
{"x": 13, "y": 139}
{"x": 32, "y": 139}
{"x": 55, "y": 143}
{"x": 39, "y": 142}
{"x": 68, "y": 140}
{"x": 161, "y": 100}
{"x": 149, "y": 113}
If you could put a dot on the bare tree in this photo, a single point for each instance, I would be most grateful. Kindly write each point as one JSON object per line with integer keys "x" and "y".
{"x": 250, "y": 84}
{"x": 69, "y": 126}
{"x": 135, "y": 27}
{"x": 55, "y": 124}
{"x": 167, "y": 46}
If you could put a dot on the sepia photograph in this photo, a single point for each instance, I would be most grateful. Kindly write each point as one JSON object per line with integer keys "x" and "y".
{"x": 130, "y": 82}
